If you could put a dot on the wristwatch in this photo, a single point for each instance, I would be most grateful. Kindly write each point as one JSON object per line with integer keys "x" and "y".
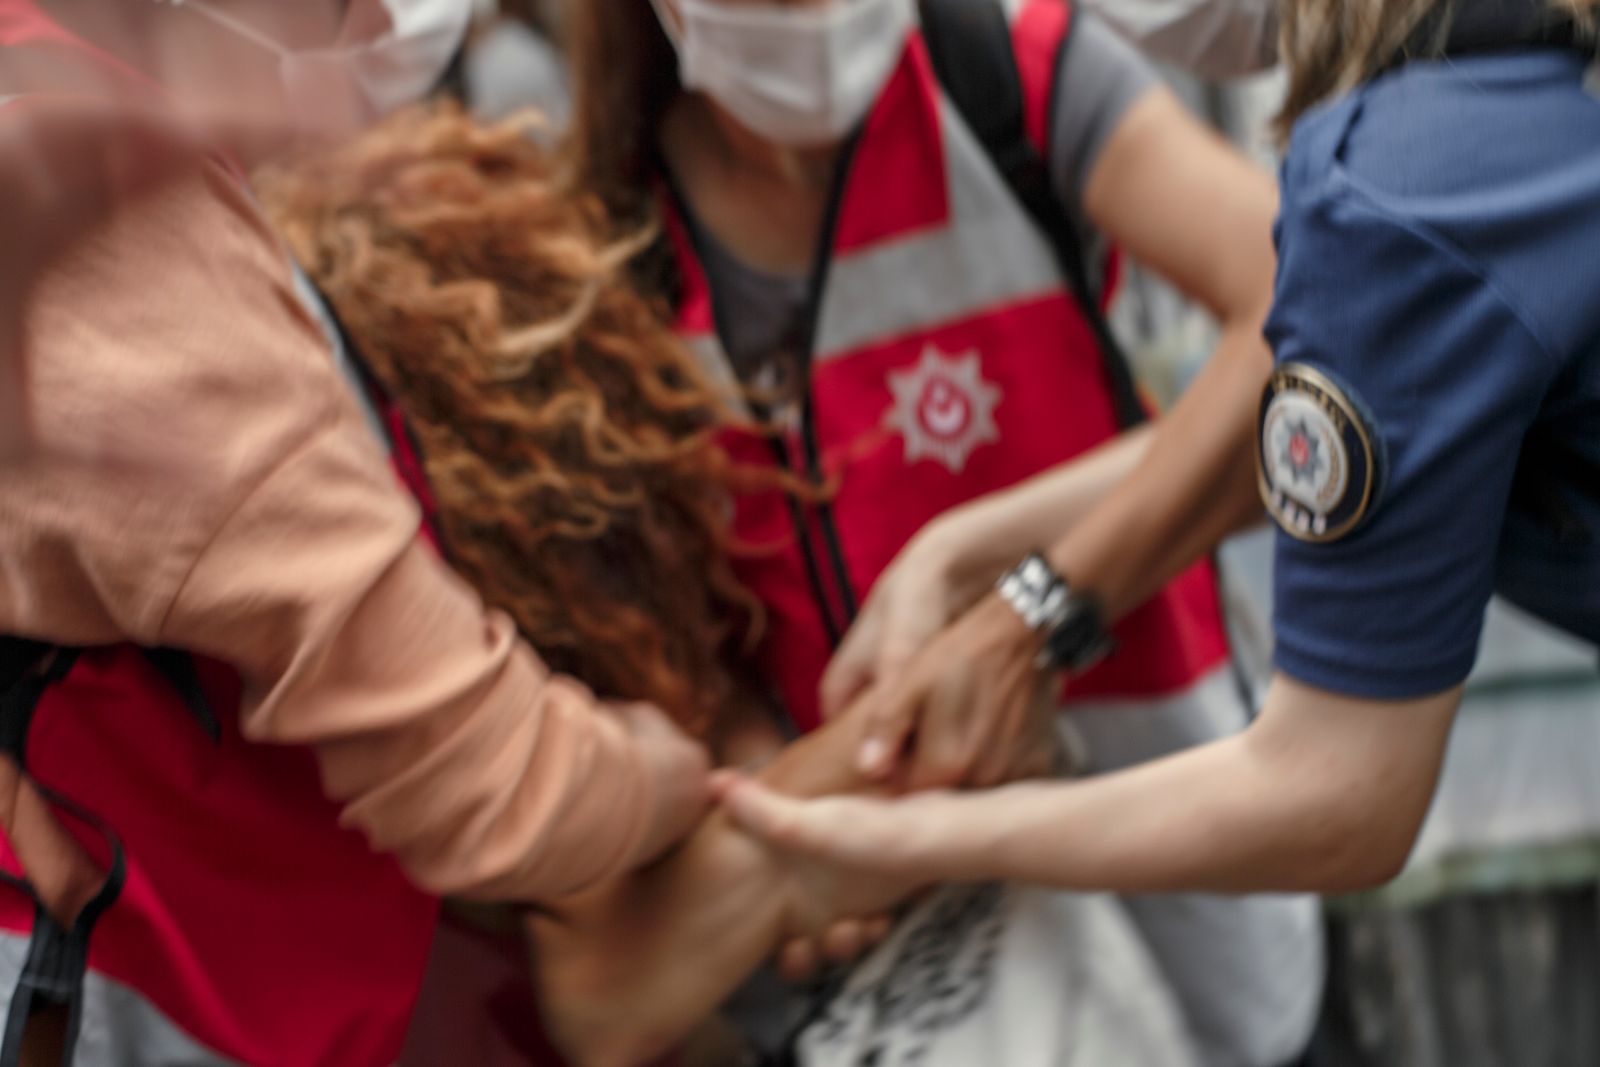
{"x": 1070, "y": 625}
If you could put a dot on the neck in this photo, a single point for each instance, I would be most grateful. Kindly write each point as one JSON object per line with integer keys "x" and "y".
{"x": 803, "y": 168}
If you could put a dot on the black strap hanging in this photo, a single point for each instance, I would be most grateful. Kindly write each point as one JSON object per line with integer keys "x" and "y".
{"x": 30, "y": 669}
{"x": 969, "y": 42}
{"x": 52, "y": 975}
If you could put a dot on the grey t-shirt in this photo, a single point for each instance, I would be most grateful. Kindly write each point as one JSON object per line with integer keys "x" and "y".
{"x": 1101, "y": 76}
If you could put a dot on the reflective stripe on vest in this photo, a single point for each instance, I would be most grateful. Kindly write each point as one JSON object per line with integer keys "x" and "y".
{"x": 949, "y": 360}
{"x": 988, "y": 255}
{"x": 118, "y": 1027}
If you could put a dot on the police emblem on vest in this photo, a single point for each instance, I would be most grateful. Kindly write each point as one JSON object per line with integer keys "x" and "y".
{"x": 1319, "y": 462}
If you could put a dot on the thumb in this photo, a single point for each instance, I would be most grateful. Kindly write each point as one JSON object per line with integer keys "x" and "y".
{"x": 848, "y": 674}
{"x": 777, "y": 819}
{"x": 851, "y": 669}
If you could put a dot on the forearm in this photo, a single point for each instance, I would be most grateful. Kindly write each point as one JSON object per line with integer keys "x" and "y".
{"x": 1323, "y": 794}
{"x": 615, "y": 969}
{"x": 1194, "y": 486}
{"x": 1175, "y": 197}
{"x": 633, "y": 968}
{"x": 979, "y": 540}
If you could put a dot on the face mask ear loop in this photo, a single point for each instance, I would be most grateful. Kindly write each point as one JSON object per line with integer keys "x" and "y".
{"x": 229, "y": 22}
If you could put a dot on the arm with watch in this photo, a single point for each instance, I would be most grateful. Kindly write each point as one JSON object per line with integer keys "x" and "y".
{"x": 1115, "y": 524}
{"x": 973, "y": 624}
{"x": 1324, "y": 792}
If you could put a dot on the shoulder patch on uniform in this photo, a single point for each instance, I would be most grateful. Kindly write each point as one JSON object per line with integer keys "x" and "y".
{"x": 1320, "y": 461}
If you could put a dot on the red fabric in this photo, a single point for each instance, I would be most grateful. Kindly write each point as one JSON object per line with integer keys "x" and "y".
{"x": 249, "y": 917}
{"x": 477, "y": 1004}
{"x": 1054, "y": 403}
{"x": 1036, "y": 37}
{"x": 910, "y": 101}
{"x": 694, "y": 311}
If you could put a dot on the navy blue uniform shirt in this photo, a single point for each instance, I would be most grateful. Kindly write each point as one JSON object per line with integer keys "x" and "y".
{"x": 1438, "y": 299}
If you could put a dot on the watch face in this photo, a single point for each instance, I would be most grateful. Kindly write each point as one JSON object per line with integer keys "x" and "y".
{"x": 1034, "y": 592}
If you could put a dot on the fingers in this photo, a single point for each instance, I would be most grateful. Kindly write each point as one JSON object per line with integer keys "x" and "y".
{"x": 903, "y": 614}
{"x": 850, "y": 670}
{"x": 799, "y": 960}
{"x": 844, "y": 942}
{"x": 782, "y": 821}
{"x": 947, "y": 734}
{"x": 890, "y": 716}
{"x": 1019, "y": 743}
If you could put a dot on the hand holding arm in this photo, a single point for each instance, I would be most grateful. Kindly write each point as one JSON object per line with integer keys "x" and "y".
{"x": 1209, "y": 232}
{"x": 1322, "y": 793}
{"x": 956, "y": 559}
{"x": 614, "y": 966}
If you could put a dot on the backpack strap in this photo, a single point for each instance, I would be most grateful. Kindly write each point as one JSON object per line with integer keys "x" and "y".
{"x": 28, "y": 669}
{"x": 385, "y": 418}
{"x": 1468, "y": 27}
{"x": 970, "y": 45}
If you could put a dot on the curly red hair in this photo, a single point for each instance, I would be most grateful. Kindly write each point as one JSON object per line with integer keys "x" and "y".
{"x": 570, "y": 439}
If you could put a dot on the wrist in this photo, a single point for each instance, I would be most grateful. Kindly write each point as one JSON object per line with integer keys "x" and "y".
{"x": 1068, "y": 623}
{"x": 955, "y": 552}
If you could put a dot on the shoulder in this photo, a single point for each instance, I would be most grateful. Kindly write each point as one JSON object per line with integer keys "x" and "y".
{"x": 174, "y": 344}
{"x": 1488, "y": 158}
{"x": 184, "y": 304}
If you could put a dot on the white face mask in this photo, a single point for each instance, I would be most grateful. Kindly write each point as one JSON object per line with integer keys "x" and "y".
{"x": 387, "y": 73}
{"x": 798, "y": 76}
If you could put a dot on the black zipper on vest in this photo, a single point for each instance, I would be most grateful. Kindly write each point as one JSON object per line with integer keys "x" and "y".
{"x": 826, "y": 572}
{"x": 822, "y": 265}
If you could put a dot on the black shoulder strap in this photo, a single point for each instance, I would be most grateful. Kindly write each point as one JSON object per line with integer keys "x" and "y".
{"x": 29, "y": 668}
{"x": 18, "y": 658}
{"x": 1466, "y": 27}
{"x": 969, "y": 42}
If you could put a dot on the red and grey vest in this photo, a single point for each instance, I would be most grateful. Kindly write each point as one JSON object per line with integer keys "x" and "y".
{"x": 238, "y": 922}
{"x": 947, "y": 359}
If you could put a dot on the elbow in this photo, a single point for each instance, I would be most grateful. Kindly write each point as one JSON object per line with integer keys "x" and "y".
{"x": 591, "y": 1031}
{"x": 1357, "y": 851}
{"x": 616, "y": 1046}
{"x": 1356, "y": 868}
{"x": 593, "y": 1011}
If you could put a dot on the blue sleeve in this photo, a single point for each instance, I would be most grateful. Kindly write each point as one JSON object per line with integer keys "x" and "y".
{"x": 1447, "y": 379}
